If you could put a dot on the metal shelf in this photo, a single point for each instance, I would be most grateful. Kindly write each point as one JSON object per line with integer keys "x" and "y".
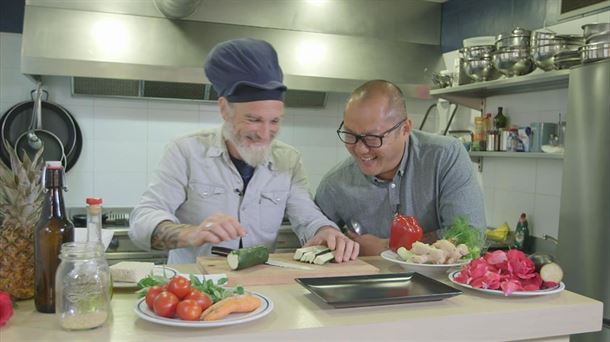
{"x": 539, "y": 155}
{"x": 473, "y": 95}
{"x": 479, "y": 155}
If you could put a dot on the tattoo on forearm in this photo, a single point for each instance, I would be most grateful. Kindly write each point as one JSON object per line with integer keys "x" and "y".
{"x": 166, "y": 235}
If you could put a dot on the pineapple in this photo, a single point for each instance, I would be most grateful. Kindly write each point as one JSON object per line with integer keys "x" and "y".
{"x": 21, "y": 197}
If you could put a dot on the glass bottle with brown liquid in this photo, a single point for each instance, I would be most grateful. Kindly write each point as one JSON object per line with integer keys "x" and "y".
{"x": 53, "y": 230}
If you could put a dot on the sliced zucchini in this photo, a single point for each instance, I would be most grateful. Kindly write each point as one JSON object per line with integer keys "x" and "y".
{"x": 298, "y": 254}
{"x": 247, "y": 257}
{"x": 324, "y": 258}
{"x": 540, "y": 260}
{"x": 311, "y": 256}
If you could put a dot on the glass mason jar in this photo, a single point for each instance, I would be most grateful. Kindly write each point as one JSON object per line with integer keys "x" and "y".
{"x": 83, "y": 286}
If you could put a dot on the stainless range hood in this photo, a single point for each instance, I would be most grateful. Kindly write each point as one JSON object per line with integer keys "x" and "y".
{"x": 318, "y": 51}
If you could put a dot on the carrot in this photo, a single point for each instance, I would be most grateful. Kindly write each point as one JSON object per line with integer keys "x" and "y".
{"x": 227, "y": 306}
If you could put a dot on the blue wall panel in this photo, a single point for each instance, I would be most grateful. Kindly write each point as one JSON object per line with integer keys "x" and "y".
{"x": 11, "y": 15}
{"x": 470, "y": 18}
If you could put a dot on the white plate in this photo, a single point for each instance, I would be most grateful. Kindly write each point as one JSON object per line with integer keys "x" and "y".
{"x": 144, "y": 312}
{"x": 431, "y": 270}
{"x": 544, "y": 292}
{"x": 157, "y": 270}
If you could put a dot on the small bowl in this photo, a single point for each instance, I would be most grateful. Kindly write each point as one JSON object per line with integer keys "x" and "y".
{"x": 572, "y": 39}
{"x": 594, "y": 52}
{"x": 593, "y": 28}
{"x": 481, "y": 69}
{"x": 543, "y": 55}
{"x": 513, "y": 62}
{"x": 601, "y": 37}
{"x": 477, "y": 52}
{"x": 429, "y": 270}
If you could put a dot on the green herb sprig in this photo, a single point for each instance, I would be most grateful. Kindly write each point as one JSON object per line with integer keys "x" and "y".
{"x": 462, "y": 232}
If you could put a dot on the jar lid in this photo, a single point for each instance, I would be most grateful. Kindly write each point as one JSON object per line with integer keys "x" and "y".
{"x": 94, "y": 201}
{"x": 81, "y": 250}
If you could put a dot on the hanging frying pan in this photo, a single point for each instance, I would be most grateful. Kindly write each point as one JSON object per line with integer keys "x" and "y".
{"x": 55, "y": 119}
{"x": 35, "y": 139}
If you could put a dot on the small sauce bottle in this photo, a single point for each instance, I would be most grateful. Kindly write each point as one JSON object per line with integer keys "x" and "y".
{"x": 94, "y": 219}
{"x": 522, "y": 234}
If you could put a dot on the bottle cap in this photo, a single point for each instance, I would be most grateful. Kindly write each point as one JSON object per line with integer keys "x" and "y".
{"x": 94, "y": 201}
{"x": 54, "y": 165}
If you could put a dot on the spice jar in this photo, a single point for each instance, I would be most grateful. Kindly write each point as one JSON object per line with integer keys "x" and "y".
{"x": 83, "y": 286}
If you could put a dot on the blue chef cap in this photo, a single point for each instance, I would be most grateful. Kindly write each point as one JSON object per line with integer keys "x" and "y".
{"x": 245, "y": 70}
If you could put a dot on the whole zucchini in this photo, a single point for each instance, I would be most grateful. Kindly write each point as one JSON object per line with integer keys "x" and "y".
{"x": 247, "y": 257}
{"x": 540, "y": 260}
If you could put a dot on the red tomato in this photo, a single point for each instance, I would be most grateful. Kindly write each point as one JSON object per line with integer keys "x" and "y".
{"x": 180, "y": 286}
{"x": 189, "y": 310}
{"x": 151, "y": 294}
{"x": 404, "y": 232}
{"x": 165, "y": 304}
{"x": 202, "y": 298}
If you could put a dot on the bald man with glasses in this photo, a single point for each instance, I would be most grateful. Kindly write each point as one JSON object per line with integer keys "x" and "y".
{"x": 394, "y": 168}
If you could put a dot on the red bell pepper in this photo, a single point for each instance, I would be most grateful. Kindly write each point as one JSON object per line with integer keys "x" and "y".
{"x": 404, "y": 232}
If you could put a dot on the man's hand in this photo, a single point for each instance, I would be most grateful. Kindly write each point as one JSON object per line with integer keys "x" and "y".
{"x": 345, "y": 249}
{"x": 370, "y": 245}
{"x": 214, "y": 229}
{"x": 219, "y": 227}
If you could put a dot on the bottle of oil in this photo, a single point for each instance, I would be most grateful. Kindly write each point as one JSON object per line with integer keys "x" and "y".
{"x": 500, "y": 120}
{"x": 53, "y": 230}
{"x": 522, "y": 234}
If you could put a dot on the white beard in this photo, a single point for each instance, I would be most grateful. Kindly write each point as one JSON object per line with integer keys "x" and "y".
{"x": 253, "y": 155}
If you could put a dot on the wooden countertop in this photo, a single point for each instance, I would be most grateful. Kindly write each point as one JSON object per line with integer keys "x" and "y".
{"x": 297, "y": 315}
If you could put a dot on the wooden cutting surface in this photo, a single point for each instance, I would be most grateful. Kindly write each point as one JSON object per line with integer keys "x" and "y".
{"x": 268, "y": 275}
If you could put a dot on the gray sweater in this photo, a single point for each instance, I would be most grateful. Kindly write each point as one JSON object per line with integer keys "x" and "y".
{"x": 435, "y": 183}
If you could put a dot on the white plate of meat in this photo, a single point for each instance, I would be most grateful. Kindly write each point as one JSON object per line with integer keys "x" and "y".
{"x": 430, "y": 270}
{"x": 556, "y": 289}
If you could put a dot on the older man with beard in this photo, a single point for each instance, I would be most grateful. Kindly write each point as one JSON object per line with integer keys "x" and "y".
{"x": 231, "y": 187}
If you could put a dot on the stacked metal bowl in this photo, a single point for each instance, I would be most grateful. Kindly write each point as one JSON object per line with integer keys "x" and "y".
{"x": 476, "y": 58}
{"x": 551, "y": 51}
{"x": 512, "y": 55}
{"x": 597, "y": 38}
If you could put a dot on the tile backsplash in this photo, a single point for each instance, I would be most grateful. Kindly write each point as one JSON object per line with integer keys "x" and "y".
{"x": 125, "y": 138}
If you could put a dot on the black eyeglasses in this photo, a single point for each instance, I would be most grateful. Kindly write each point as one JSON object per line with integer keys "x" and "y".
{"x": 369, "y": 140}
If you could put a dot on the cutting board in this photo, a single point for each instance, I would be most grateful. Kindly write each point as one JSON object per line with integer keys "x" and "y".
{"x": 269, "y": 275}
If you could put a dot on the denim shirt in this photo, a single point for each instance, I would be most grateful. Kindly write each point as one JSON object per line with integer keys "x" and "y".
{"x": 435, "y": 183}
{"x": 196, "y": 178}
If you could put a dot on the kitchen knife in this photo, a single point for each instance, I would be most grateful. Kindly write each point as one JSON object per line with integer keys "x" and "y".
{"x": 224, "y": 251}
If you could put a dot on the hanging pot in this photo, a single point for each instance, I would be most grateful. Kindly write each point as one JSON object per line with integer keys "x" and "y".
{"x": 31, "y": 141}
{"x": 55, "y": 120}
